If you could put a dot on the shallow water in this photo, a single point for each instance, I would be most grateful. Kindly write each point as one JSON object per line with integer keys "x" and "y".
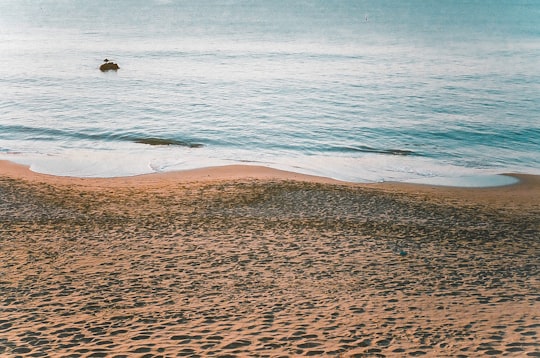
{"x": 346, "y": 89}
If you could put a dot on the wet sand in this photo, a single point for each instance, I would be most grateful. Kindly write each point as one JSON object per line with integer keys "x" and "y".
{"x": 248, "y": 261}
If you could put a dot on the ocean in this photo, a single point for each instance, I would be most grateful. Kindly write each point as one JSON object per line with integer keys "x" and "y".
{"x": 443, "y": 91}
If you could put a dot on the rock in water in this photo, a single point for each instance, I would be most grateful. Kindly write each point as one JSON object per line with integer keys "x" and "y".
{"x": 109, "y": 66}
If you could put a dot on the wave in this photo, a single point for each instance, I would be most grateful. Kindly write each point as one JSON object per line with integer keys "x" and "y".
{"x": 166, "y": 141}
{"x": 52, "y": 134}
{"x": 367, "y": 149}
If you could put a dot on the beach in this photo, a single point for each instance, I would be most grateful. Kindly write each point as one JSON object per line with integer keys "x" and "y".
{"x": 245, "y": 261}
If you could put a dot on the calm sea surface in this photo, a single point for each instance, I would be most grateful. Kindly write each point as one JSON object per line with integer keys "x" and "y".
{"x": 356, "y": 90}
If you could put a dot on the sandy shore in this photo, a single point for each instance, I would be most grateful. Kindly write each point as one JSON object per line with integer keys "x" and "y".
{"x": 249, "y": 261}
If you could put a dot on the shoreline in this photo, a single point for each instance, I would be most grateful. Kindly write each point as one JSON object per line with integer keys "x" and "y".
{"x": 247, "y": 261}
{"x": 524, "y": 194}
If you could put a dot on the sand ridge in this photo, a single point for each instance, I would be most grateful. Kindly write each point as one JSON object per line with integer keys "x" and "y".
{"x": 264, "y": 266}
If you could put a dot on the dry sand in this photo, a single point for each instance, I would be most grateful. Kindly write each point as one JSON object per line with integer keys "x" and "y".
{"x": 247, "y": 261}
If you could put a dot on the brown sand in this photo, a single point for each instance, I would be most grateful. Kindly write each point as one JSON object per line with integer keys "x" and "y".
{"x": 247, "y": 261}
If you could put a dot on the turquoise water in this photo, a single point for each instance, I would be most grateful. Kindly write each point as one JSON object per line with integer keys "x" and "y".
{"x": 355, "y": 90}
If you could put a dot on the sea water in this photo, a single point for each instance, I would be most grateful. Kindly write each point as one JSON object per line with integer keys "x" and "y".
{"x": 357, "y": 90}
